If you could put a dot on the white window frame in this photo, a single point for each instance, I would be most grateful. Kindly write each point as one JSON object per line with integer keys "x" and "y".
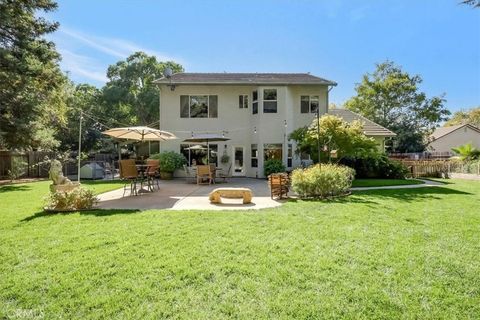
{"x": 263, "y": 99}
{"x": 244, "y": 105}
{"x": 254, "y": 101}
{"x": 208, "y": 105}
{"x": 309, "y": 102}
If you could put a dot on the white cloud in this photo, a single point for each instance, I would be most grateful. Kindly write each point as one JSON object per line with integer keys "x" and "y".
{"x": 115, "y": 47}
{"x": 86, "y": 57}
{"x": 83, "y": 66}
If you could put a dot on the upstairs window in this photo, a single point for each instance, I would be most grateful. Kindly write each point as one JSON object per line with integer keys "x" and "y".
{"x": 199, "y": 106}
{"x": 243, "y": 101}
{"x": 270, "y": 101}
{"x": 254, "y": 102}
{"x": 309, "y": 104}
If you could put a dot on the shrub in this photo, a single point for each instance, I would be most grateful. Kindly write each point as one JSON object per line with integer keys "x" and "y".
{"x": 169, "y": 160}
{"x": 77, "y": 199}
{"x": 379, "y": 167}
{"x": 273, "y": 166}
{"x": 322, "y": 181}
{"x": 18, "y": 169}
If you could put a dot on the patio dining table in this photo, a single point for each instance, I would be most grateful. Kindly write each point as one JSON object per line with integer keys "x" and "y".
{"x": 142, "y": 168}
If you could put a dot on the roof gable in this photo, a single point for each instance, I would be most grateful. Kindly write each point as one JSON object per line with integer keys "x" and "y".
{"x": 443, "y": 131}
{"x": 370, "y": 128}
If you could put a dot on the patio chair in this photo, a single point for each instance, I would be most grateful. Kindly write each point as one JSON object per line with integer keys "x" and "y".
{"x": 109, "y": 169}
{"x": 152, "y": 173}
{"x": 213, "y": 170}
{"x": 189, "y": 175}
{"x": 226, "y": 175}
{"x": 204, "y": 174}
{"x": 129, "y": 173}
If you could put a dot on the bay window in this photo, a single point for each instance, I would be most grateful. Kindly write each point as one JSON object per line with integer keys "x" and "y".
{"x": 254, "y": 102}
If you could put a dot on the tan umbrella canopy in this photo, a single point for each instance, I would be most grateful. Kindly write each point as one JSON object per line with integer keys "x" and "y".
{"x": 140, "y": 134}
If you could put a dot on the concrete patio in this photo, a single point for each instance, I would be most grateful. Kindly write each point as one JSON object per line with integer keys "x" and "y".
{"x": 178, "y": 195}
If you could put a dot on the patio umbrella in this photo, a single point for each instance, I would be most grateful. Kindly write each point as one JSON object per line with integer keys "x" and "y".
{"x": 196, "y": 147}
{"x": 207, "y": 137}
{"x": 139, "y": 134}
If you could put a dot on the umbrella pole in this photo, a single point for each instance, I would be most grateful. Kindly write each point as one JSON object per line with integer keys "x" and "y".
{"x": 208, "y": 152}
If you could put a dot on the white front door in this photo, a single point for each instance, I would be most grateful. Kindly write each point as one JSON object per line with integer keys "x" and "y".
{"x": 238, "y": 161}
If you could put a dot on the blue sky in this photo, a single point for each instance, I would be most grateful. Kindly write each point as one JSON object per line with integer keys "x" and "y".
{"x": 336, "y": 39}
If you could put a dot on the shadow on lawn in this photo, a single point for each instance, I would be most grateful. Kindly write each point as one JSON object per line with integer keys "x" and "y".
{"x": 13, "y": 187}
{"x": 372, "y": 197}
{"x": 97, "y": 213}
{"x": 403, "y": 195}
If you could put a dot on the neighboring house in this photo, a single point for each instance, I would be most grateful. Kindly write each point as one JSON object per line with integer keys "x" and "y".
{"x": 257, "y": 111}
{"x": 443, "y": 139}
{"x": 370, "y": 128}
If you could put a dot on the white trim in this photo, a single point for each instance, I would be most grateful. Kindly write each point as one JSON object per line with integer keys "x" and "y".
{"x": 243, "y": 172}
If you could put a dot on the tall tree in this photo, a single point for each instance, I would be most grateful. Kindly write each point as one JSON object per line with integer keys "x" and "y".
{"x": 392, "y": 98}
{"x": 130, "y": 93}
{"x": 86, "y": 98}
{"x": 32, "y": 99}
{"x": 471, "y": 116}
{"x": 473, "y": 3}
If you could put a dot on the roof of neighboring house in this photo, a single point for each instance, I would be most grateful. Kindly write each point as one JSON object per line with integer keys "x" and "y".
{"x": 443, "y": 131}
{"x": 370, "y": 128}
{"x": 244, "y": 78}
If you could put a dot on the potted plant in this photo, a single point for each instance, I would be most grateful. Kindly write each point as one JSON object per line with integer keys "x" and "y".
{"x": 169, "y": 162}
{"x": 225, "y": 158}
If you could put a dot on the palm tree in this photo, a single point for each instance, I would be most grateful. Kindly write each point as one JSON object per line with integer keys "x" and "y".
{"x": 467, "y": 152}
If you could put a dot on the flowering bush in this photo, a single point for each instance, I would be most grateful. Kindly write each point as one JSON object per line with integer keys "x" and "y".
{"x": 77, "y": 199}
{"x": 322, "y": 181}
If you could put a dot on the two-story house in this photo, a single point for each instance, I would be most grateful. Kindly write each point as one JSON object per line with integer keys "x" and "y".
{"x": 257, "y": 111}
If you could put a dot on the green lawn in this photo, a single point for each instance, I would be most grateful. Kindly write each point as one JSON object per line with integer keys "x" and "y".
{"x": 384, "y": 182}
{"x": 381, "y": 254}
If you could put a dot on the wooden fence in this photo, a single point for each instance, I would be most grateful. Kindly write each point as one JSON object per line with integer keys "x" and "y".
{"x": 29, "y": 164}
{"x": 440, "y": 168}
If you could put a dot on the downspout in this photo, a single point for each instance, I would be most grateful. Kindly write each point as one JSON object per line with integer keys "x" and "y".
{"x": 328, "y": 93}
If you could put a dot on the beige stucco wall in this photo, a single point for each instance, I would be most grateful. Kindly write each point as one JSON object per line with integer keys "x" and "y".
{"x": 239, "y": 124}
{"x": 454, "y": 139}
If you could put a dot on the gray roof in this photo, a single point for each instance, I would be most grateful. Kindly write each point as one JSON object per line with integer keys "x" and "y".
{"x": 370, "y": 128}
{"x": 443, "y": 131}
{"x": 244, "y": 78}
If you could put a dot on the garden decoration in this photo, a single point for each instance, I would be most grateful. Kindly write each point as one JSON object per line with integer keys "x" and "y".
{"x": 66, "y": 195}
{"x": 60, "y": 182}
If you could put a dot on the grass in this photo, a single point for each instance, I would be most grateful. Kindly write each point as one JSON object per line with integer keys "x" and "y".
{"x": 384, "y": 182}
{"x": 380, "y": 254}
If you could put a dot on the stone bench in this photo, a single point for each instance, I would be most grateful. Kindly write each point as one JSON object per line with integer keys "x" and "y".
{"x": 231, "y": 193}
